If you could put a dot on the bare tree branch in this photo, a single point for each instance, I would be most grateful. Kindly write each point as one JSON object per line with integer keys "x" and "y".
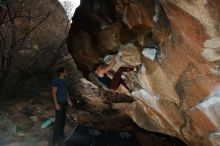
{"x": 22, "y": 39}
{"x": 13, "y": 12}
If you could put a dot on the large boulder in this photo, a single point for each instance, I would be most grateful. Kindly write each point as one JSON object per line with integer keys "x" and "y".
{"x": 33, "y": 42}
{"x": 177, "y": 92}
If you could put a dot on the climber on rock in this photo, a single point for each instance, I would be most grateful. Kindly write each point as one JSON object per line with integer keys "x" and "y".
{"x": 101, "y": 70}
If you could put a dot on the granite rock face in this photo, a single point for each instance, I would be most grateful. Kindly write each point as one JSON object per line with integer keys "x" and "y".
{"x": 31, "y": 43}
{"x": 177, "y": 93}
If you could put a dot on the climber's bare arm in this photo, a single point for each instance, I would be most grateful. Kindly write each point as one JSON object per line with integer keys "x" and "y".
{"x": 109, "y": 67}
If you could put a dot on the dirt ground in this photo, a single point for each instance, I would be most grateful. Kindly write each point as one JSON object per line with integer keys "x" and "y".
{"x": 21, "y": 119}
{"x": 20, "y": 122}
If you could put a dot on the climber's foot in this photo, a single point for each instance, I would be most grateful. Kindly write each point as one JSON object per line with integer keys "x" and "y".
{"x": 137, "y": 68}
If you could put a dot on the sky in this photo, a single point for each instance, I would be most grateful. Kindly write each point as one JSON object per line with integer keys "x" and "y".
{"x": 70, "y": 6}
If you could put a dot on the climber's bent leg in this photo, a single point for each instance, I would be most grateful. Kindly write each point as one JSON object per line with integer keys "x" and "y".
{"x": 117, "y": 80}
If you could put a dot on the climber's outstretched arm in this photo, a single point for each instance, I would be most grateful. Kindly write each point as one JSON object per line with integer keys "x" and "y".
{"x": 109, "y": 67}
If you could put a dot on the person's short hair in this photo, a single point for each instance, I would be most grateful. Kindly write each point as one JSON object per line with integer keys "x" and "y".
{"x": 97, "y": 65}
{"x": 60, "y": 70}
